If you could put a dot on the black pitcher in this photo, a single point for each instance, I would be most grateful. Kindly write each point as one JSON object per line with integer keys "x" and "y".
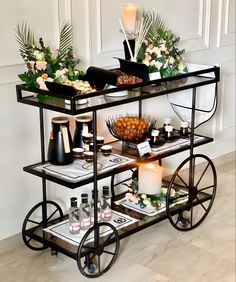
{"x": 60, "y": 144}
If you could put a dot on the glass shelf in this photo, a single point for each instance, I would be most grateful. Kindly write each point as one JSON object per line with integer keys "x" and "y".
{"x": 37, "y": 169}
{"x": 100, "y": 100}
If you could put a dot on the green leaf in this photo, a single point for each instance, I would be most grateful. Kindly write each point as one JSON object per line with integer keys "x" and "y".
{"x": 25, "y": 39}
{"x": 156, "y": 27}
{"x": 66, "y": 37}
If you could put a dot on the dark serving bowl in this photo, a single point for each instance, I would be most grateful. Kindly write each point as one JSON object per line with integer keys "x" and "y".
{"x": 61, "y": 88}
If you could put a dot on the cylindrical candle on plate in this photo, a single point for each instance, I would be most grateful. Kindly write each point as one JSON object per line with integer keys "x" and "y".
{"x": 150, "y": 178}
{"x": 129, "y": 17}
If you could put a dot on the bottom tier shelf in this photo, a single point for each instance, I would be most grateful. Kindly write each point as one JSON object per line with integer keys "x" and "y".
{"x": 140, "y": 222}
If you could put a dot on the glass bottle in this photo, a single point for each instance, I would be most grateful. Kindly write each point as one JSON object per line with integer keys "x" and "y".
{"x": 85, "y": 212}
{"x": 74, "y": 217}
{"x": 184, "y": 129}
{"x": 92, "y": 205}
{"x": 106, "y": 203}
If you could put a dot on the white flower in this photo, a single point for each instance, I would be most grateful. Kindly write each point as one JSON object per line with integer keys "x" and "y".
{"x": 144, "y": 196}
{"x": 59, "y": 73}
{"x": 172, "y": 192}
{"x": 163, "y": 190}
{"x": 147, "y": 202}
{"x": 131, "y": 197}
{"x": 49, "y": 79}
{"x": 40, "y": 56}
{"x": 150, "y": 51}
{"x": 181, "y": 66}
{"x": 146, "y": 62}
{"x": 166, "y": 64}
{"x": 171, "y": 60}
{"x": 41, "y": 83}
{"x": 41, "y": 65}
{"x": 36, "y": 52}
{"x": 157, "y": 64}
{"x": 162, "y": 47}
{"x": 157, "y": 51}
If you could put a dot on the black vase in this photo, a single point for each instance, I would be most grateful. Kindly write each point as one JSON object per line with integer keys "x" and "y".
{"x": 126, "y": 50}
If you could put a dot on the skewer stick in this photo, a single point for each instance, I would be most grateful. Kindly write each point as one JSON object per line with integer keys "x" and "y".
{"x": 126, "y": 39}
{"x": 141, "y": 34}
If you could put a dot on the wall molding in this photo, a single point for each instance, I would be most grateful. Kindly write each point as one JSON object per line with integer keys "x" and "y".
{"x": 225, "y": 37}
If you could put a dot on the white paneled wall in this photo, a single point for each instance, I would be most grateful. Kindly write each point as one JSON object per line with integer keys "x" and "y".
{"x": 207, "y": 30}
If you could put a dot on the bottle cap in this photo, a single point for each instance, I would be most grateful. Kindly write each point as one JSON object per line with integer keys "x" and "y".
{"x": 167, "y": 120}
{"x": 105, "y": 190}
{"x": 184, "y": 124}
{"x": 169, "y": 128}
{"x": 73, "y": 202}
{"x": 84, "y": 198}
{"x": 155, "y": 132}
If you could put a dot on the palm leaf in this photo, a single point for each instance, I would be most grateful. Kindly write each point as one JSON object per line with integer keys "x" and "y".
{"x": 66, "y": 37}
{"x": 157, "y": 26}
{"x": 25, "y": 39}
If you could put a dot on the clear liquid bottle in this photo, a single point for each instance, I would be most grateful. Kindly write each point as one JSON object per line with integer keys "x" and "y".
{"x": 106, "y": 204}
{"x": 85, "y": 214}
{"x": 74, "y": 217}
{"x": 92, "y": 206}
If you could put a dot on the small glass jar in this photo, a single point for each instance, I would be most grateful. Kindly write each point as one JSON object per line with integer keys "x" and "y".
{"x": 184, "y": 129}
{"x": 167, "y": 122}
{"x": 169, "y": 133}
{"x": 154, "y": 140}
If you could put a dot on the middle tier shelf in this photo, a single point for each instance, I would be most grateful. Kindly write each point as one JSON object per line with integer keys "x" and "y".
{"x": 80, "y": 173}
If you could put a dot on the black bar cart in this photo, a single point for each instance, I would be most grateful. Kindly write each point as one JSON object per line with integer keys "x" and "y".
{"x": 95, "y": 257}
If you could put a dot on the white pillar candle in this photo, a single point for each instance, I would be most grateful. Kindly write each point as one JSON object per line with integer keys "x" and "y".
{"x": 150, "y": 178}
{"x": 129, "y": 17}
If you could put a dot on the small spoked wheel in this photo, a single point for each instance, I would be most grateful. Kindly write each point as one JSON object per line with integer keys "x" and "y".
{"x": 191, "y": 192}
{"x": 34, "y": 222}
{"x": 98, "y": 250}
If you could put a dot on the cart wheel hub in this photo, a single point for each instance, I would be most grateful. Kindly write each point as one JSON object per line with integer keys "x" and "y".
{"x": 193, "y": 194}
{"x": 99, "y": 250}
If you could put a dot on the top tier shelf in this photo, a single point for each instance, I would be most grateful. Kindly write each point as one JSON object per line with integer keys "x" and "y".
{"x": 99, "y": 100}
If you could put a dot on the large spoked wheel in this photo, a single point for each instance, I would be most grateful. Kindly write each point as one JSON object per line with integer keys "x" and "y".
{"x": 96, "y": 257}
{"x": 191, "y": 192}
{"x": 34, "y": 221}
